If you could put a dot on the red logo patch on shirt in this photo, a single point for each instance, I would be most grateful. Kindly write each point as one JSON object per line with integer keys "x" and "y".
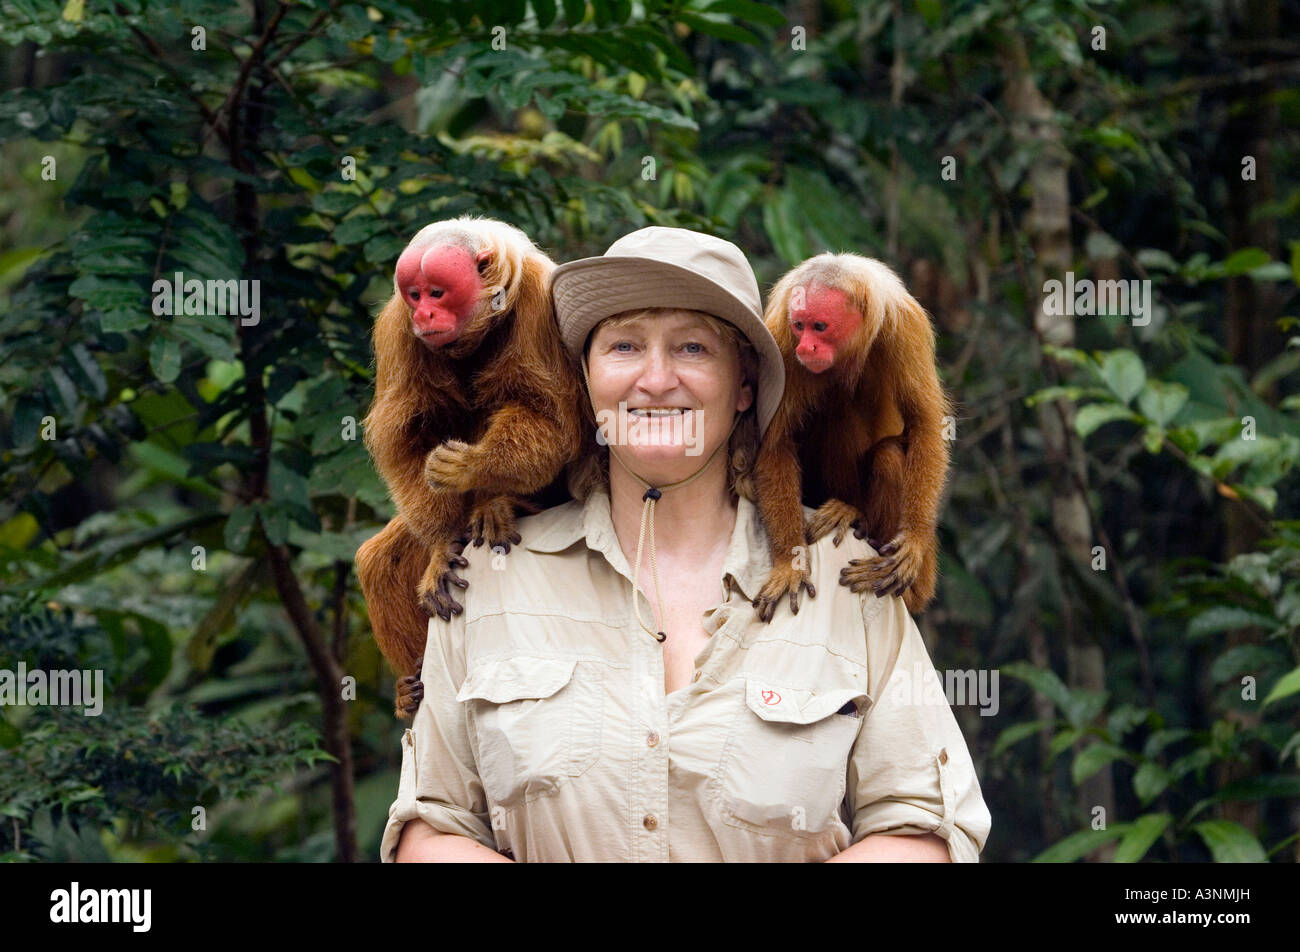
{"x": 771, "y": 697}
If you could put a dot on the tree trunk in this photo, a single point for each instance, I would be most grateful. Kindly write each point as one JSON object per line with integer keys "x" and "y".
{"x": 1047, "y": 227}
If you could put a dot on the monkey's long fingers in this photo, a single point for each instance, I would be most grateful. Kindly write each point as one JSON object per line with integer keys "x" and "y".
{"x": 449, "y": 466}
{"x": 410, "y": 692}
{"x": 765, "y": 608}
{"x": 861, "y": 531}
{"x": 794, "y": 594}
{"x": 894, "y": 545}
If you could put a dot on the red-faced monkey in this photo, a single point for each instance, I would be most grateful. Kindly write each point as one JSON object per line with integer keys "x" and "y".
{"x": 476, "y": 404}
{"x": 863, "y": 415}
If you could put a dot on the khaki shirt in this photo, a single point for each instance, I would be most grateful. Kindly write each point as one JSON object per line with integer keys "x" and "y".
{"x": 545, "y": 732}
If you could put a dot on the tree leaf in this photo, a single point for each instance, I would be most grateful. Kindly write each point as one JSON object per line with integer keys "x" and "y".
{"x": 1093, "y": 758}
{"x": 1230, "y": 842}
{"x": 1160, "y": 401}
{"x": 1078, "y": 845}
{"x": 1123, "y": 372}
{"x": 1094, "y": 415}
{"x": 1016, "y": 733}
{"x": 1287, "y": 685}
{"x": 1149, "y": 780}
{"x": 748, "y": 10}
{"x": 165, "y": 357}
{"x": 239, "y": 528}
{"x": 1142, "y": 833}
{"x": 1247, "y": 259}
{"x": 716, "y": 28}
{"x": 1226, "y": 618}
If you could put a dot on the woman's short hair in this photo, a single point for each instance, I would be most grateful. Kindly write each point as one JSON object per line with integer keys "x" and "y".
{"x": 593, "y": 470}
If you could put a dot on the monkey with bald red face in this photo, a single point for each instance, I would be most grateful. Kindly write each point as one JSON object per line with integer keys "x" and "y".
{"x": 476, "y": 407}
{"x": 862, "y": 417}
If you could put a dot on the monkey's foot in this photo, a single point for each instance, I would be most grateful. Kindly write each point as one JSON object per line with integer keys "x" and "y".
{"x": 493, "y": 521}
{"x": 452, "y": 466}
{"x": 890, "y": 573}
{"x": 784, "y": 580}
{"x": 410, "y": 692}
{"x": 434, "y": 592}
{"x": 833, "y": 516}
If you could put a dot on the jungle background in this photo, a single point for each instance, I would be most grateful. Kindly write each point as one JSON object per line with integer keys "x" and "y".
{"x": 181, "y": 497}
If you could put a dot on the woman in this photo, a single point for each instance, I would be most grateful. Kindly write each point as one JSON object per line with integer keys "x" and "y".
{"x": 562, "y": 720}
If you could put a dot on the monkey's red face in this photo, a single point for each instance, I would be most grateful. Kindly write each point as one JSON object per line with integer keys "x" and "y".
{"x": 823, "y": 320}
{"x": 443, "y": 284}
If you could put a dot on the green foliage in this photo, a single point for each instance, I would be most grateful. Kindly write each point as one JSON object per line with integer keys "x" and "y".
{"x": 157, "y": 458}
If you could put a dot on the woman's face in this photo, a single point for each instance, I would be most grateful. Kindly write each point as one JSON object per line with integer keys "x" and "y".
{"x": 666, "y": 388}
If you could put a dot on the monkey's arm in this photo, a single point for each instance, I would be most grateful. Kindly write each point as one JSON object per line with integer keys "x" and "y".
{"x": 908, "y": 563}
{"x": 521, "y": 452}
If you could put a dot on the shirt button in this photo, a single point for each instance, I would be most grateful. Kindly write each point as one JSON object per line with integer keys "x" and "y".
{"x": 650, "y": 822}
{"x": 943, "y": 756}
{"x": 652, "y": 738}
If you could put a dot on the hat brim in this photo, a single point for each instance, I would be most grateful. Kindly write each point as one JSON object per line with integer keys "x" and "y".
{"x": 587, "y": 291}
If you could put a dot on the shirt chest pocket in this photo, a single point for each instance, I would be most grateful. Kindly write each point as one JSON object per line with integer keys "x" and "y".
{"x": 785, "y": 763}
{"x": 537, "y": 724}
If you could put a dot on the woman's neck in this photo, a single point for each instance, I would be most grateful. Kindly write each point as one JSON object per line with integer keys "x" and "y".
{"x": 695, "y": 519}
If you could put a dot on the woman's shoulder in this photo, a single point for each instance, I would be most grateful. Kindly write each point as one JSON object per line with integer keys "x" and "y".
{"x": 827, "y": 563}
{"x": 540, "y": 527}
{"x": 494, "y": 571}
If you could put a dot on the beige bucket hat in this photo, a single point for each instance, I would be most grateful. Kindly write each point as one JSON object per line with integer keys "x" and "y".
{"x": 670, "y": 267}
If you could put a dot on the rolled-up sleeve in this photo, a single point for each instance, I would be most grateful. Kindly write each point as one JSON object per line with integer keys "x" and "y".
{"x": 439, "y": 780}
{"x": 910, "y": 771}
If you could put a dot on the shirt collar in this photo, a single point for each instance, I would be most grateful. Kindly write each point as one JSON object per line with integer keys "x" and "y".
{"x": 747, "y": 561}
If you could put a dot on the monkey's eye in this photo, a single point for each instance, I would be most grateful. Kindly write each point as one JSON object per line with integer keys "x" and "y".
{"x": 436, "y": 293}
{"x": 415, "y": 294}
{"x": 798, "y": 325}
{"x": 819, "y": 326}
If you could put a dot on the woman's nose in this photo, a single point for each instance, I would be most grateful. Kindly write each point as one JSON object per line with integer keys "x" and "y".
{"x": 657, "y": 373}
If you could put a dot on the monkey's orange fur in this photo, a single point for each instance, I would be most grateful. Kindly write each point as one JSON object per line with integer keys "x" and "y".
{"x": 459, "y": 431}
{"x": 867, "y": 430}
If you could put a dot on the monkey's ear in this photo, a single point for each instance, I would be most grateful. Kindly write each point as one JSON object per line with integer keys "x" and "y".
{"x": 484, "y": 259}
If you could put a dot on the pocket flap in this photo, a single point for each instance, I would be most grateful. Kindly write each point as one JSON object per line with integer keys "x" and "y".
{"x": 509, "y": 679}
{"x": 777, "y": 702}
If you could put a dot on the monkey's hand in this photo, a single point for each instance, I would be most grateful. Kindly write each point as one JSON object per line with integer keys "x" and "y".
{"x": 410, "y": 692}
{"x": 785, "y": 579}
{"x": 493, "y": 521}
{"x": 833, "y": 516}
{"x": 434, "y": 592}
{"x": 452, "y": 466}
{"x": 892, "y": 572}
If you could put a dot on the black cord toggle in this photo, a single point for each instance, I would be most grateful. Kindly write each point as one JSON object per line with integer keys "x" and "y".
{"x": 651, "y": 493}
{"x": 662, "y": 637}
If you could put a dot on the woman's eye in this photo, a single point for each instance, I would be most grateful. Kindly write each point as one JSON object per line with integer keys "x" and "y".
{"x": 618, "y": 347}
{"x": 698, "y": 347}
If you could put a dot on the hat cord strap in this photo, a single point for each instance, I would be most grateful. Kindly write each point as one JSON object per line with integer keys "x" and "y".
{"x": 650, "y": 497}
